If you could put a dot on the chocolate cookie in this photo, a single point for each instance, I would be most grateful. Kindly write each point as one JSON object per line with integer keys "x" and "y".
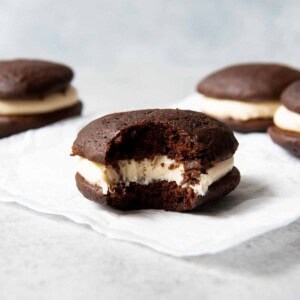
{"x": 35, "y": 93}
{"x": 286, "y": 131}
{"x": 254, "y": 125}
{"x": 10, "y": 125}
{"x": 253, "y": 82}
{"x": 158, "y": 195}
{"x": 169, "y": 159}
{"x": 290, "y": 97}
{"x": 27, "y": 78}
{"x": 288, "y": 140}
{"x": 246, "y": 96}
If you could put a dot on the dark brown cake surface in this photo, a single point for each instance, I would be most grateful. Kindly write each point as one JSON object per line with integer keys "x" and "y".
{"x": 27, "y": 78}
{"x": 253, "y": 82}
{"x": 286, "y": 139}
{"x": 158, "y": 195}
{"x": 252, "y": 125}
{"x": 290, "y": 97}
{"x": 179, "y": 134}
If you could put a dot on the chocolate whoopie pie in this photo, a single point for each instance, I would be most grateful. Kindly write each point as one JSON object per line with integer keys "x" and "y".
{"x": 246, "y": 96}
{"x": 35, "y": 93}
{"x": 161, "y": 159}
{"x": 286, "y": 131}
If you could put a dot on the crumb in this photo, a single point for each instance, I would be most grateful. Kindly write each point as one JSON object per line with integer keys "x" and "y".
{"x": 171, "y": 167}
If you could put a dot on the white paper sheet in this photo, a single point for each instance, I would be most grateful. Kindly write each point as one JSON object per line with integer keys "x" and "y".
{"x": 37, "y": 172}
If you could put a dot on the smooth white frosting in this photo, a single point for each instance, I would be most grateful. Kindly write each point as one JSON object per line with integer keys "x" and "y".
{"x": 49, "y": 103}
{"x": 238, "y": 110}
{"x": 146, "y": 171}
{"x": 286, "y": 119}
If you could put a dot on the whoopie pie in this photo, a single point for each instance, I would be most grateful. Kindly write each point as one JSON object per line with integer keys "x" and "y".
{"x": 246, "y": 96}
{"x": 35, "y": 93}
{"x": 161, "y": 159}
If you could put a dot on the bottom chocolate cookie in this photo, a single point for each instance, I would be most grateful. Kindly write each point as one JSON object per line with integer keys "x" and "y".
{"x": 286, "y": 139}
{"x": 254, "y": 125}
{"x": 10, "y": 125}
{"x": 158, "y": 195}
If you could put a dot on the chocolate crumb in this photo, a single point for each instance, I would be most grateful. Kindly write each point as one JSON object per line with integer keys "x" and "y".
{"x": 171, "y": 167}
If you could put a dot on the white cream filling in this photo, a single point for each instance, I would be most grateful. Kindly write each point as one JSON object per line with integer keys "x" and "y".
{"x": 49, "y": 103}
{"x": 286, "y": 119}
{"x": 146, "y": 171}
{"x": 238, "y": 110}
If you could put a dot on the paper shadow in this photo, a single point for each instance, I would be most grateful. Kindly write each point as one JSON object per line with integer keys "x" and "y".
{"x": 249, "y": 189}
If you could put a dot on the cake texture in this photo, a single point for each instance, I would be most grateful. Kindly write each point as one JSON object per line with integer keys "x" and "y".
{"x": 28, "y": 78}
{"x": 35, "y": 93}
{"x": 290, "y": 97}
{"x": 162, "y": 159}
{"x": 252, "y": 125}
{"x": 253, "y": 82}
{"x": 288, "y": 140}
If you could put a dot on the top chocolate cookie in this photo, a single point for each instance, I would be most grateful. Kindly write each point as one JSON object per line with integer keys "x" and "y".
{"x": 291, "y": 97}
{"x": 179, "y": 134}
{"x": 24, "y": 78}
{"x": 248, "y": 82}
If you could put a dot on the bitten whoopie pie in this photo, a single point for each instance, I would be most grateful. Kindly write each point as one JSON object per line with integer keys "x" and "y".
{"x": 161, "y": 159}
{"x": 246, "y": 96}
{"x": 35, "y": 93}
{"x": 286, "y": 131}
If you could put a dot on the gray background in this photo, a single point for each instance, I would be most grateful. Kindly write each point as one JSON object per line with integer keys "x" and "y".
{"x": 130, "y": 54}
{"x": 137, "y": 53}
